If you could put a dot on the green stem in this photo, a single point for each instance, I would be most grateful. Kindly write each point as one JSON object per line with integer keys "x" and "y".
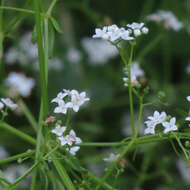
{"x": 22, "y": 177}
{"x": 139, "y": 117}
{"x": 179, "y": 142}
{"x": 139, "y": 141}
{"x": 52, "y": 5}
{"x": 130, "y": 92}
{"x": 17, "y": 9}
{"x": 16, "y": 157}
{"x": 41, "y": 58}
{"x": 18, "y": 133}
{"x": 37, "y": 156}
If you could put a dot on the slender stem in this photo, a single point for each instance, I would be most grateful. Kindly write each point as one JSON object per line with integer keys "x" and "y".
{"x": 139, "y": 117}
{"x": 22, "y": 177}
{"x": 183, "y": 149}
{"x": 16, "y": 157}
{"x": 140, "y": 140}
{"x": 18, "y": 133}
{"x": 17, "y": 9}
{"x": 37, "y": 156}
{"x": 52, "y": 5}
{"x": 41, "y": 59}
{"x": 130, "y": 92}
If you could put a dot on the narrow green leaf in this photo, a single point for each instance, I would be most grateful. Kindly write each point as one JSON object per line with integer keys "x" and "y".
{"x": 63, "y": 174}
{"x": 56, "y": 25}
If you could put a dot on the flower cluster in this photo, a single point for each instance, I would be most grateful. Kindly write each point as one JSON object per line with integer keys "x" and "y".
{"x": 168, "y": 18}
{"x": 136, "y": 72}
{"x": 19, "y": 83}
{"x": 160, "y": 118}
{"x": 74, "y": 100}
{"x": 7, "y": 102}
{"x": 188, "y": 118}
{"x": 113, "y": 33}
{"x": 70, "y": 139}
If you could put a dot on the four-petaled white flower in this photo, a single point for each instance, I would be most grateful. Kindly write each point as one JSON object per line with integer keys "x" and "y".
{"x": 9, "y": 103}
{"x": 74, "y": 100}
{"x": 70, "y": 139}
{"x": 170, "y": 126}
{"x": 73, "y": 149}
{"x": 59, "y": 97}
{"x": 61, "y": 108}
{"x": 154, "y": 120}
{"x": 112, "y": 158}
{"x": 77, "y": 100}
{"x": 58, "y": 130}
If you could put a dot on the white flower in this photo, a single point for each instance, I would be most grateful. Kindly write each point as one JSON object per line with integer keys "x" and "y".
{"x": 77, "y": 100}
{"x": 154, "y": 120}
{"x": 9, "y": 103}
{"x": 170, "y": 126}
{"x": 112, "y": 158}
{"x": 188, "y": 98}
{"x": 149, "y": 130}
{"x": 74, "y": 101}
{"x": 145, "y": 30}
{"x": 112, "y": 33}
{"x": 99, "y": 51}
{"x": 138, "y": 28}
{"x": 61, "y": 108}
{"x": 73, "y": 149}
{"x": 59, "y": 130}
{"x": 1, "y": 106}
{"x": 59, "y": 97}
{"x": 70, "y": 139}
{"x": 168, "y": 18}
{"x": 125, "y": 35}
{"x": 101, "y": 33}
{"x": 135, "y": 25}
{"x": 20, "y": 83}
